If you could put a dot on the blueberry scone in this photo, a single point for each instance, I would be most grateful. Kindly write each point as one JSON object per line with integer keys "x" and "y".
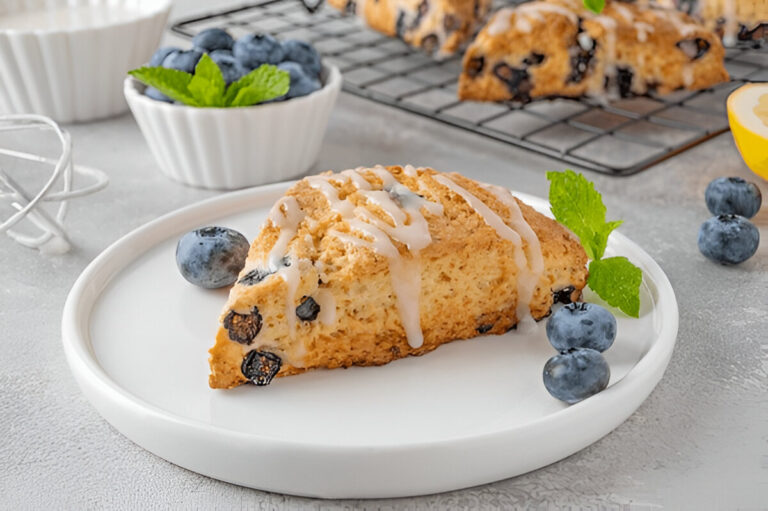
{"x": 558, "y": 48}
{"x": 370, "y": 265}
{"x": 732, "y": 19}
{"x": 439, "y": 26}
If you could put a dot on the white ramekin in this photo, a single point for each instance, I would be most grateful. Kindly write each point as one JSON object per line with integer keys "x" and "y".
{"x": 76, "y": 74}
{"x": 228, "y": 148}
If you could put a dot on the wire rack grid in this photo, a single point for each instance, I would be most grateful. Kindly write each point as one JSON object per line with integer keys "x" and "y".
{"x": 620, "y": 138}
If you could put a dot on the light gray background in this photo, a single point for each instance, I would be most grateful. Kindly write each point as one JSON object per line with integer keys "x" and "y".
{"x": 699, "y": 441}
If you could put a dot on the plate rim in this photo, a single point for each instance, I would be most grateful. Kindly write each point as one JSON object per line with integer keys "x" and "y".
{"x": 92, "y": 378}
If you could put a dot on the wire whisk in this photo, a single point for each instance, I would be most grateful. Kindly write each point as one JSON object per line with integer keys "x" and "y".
{"x": 53, "y": 239}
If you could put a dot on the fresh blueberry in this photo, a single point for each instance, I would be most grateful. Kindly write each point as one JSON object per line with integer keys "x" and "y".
{"x": 254, "y": 50}
{"x": 183, "y": 60}
{"x": 728, "y": 239}
{"x": 581, "y": 325}
{"x": 301, "y": 84}
{"x": 576, "y": 375}
{"x": 159, "y": 56}
{"x": 230, "y": 67}
{"x": 220, "y": 53}
{"x": 305, "y": 54}
{"x": 211, "y": 257}
{"x": 155, "y": 94}
{"x": 733, "y": 196}
{"x": 213, "y": 39}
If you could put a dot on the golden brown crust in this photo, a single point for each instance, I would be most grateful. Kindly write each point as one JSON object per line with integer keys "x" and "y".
{"x": 558, "y": 48}
{"x": 468, "y": 281}
{"x": 434, "y": 25}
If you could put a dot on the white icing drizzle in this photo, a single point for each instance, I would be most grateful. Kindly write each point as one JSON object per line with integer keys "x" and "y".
{"x": 529, "y": 280}
{"x": 624, "y": 12}
{"x": 688, "y": 75}
{"x": 585, "y": 41}
{"x": 610, "y": 26}
{"x": 524, "y": 14}
{"x": 382, "y": 199}
{"x": 359, "y": 181}
{"x": 291, "y": 276}
{"x": 535, "y": 9}
{"x": 410, "y": 228}
{"x": 528, "y": 276}
{"x": 322, "y": 183}
{"x": 286, "y": 215}
{"x": 675, "y": 18}
{"x": 500, "y": 21}
{"x": 643, "y": 29}
{"x": 410, "y": 170}
{"x": 405, "y": 275}
{"x": 324, "y": 298}
{"x": 731, "y": 28}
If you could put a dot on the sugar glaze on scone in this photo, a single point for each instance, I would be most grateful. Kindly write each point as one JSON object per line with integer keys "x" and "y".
{"x": 558, "y": 48}
{"x": 733, "y": 20}
{"x": 436, "y": 26}
{"x": 369, "y": 265}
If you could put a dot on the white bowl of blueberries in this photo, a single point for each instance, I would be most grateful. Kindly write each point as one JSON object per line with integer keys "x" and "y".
{"x": 229, "y": 113}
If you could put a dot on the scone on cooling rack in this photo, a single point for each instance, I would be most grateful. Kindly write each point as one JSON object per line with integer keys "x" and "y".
{"x": 557, "y": 48}
{"x": 732, "y": 19}
{"x": 370, "y": 265}
{"x": 439, "y": 26}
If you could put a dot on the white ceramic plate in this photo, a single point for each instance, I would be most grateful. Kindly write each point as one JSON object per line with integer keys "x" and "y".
{"x": 136, "y": 337}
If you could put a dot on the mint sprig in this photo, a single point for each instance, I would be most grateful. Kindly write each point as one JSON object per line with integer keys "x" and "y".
{"x": 595, "y": 6}
{"x": 207, "y": 88}
{"x": 617, "y": 281}
{"x": 576, "y": 204}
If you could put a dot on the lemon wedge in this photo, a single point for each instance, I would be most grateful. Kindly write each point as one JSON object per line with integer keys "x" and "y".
{"x": 748, "y": 117}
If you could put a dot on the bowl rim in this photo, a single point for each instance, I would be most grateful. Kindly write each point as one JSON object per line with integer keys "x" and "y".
{"x": 331, "y": 84}
{"x": 153, "y": 9}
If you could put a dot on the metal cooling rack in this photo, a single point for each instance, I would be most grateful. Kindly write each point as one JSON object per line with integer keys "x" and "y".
{"x": 619, "y": 138}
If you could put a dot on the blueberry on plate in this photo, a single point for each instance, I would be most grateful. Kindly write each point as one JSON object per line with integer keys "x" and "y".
{"x": 211, "y": 257}
{"x": 213, "y": 39}
{"x": 230, "y": 67}
{"x": 301, "y": 84}
{"x": 159, "y": 56}
{"x": 576, "y": 375}
{"x": 155, "y": 94}
{"x": 183, "y": 60}
{"x": 733, "y": 196}
{"x": 581, "y": 325}
{"x": 728, "y": 239}
{"x": 305, "y": 54}
{"x": 254, "y": 50}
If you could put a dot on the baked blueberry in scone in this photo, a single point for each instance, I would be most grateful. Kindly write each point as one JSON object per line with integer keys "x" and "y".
{"x": 558, "y": 48}
{"x": 436, "y": 26}
{"x": 370, "y": 265}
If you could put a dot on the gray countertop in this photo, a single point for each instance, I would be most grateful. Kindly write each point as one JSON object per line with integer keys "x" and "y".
{"x": 699, "y": 441}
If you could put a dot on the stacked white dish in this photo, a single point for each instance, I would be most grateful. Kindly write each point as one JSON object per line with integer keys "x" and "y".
{"x": 67, "y": 59}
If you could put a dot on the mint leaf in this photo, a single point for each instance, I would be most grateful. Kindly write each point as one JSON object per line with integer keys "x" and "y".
{"x": 595, "y": 6}
{"x": 208, "y": 85}
{"x": 172, "y": 83}
{"x": 262, "y": 84}
{"x": 577, "y": 205}
{"x": 617, "y": 281}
